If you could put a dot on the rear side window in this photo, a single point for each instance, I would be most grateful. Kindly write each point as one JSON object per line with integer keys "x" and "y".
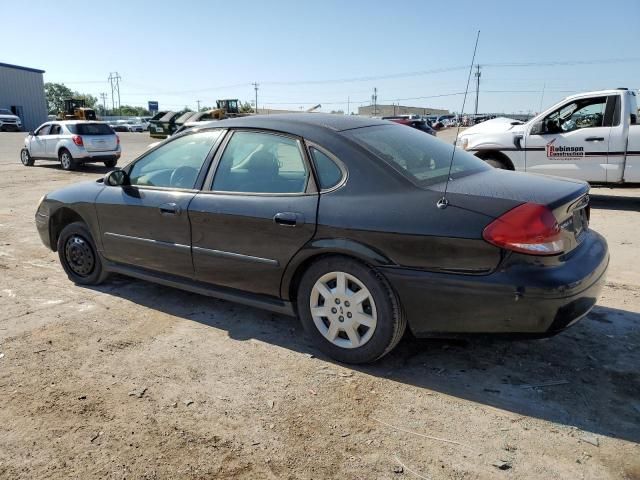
{"x": 420, "y": 157}
{"x": 55, "y": 130}
{"x": 90, "y": 129}
{"x": 329, "y": 174}
{"x": 256, "y": 162}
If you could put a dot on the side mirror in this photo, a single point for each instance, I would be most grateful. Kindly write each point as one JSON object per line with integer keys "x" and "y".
{"x": 116, "y": 178}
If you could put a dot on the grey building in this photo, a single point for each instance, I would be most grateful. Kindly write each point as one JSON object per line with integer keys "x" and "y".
{"x": 22, "y": 92}
{"x": 390, "y": 110}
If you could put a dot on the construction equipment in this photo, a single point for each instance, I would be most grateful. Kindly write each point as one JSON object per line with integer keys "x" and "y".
{"x": 75, "y": 109}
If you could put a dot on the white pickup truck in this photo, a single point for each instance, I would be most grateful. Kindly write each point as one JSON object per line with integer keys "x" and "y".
{"x": 591, "y": 136}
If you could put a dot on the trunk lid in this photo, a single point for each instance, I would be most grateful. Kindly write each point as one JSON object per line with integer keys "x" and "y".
{"x": 100, "y": 143}
{"x": 495, "y": 192}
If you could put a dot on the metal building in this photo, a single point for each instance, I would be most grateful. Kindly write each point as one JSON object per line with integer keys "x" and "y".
{"x": 22, "y": 92}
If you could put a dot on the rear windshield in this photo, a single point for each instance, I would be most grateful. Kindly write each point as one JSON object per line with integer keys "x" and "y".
{"x": 90, "y": 129}
{"x": 417, "y": 155}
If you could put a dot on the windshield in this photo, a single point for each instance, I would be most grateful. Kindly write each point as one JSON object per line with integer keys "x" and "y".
{"x": 90, "y": 129}
{"x": 4, "y": 111}
{"x": 417, "y": 155}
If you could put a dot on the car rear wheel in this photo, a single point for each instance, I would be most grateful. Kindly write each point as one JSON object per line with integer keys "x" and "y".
{"x": 66, "y": 160}
{"x": 349, "y": 310}
{"x": 78, "y": 255}
{"x": 110, "y": 163}
{"x": 26, "y": 158}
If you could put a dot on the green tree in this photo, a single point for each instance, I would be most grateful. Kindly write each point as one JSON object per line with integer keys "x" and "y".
{"x": 246, "y": 108}
{"x": 131, "y": 111}
{"x": 56, "y": 93}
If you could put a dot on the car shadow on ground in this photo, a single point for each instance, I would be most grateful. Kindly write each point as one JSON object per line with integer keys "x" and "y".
{"x": 614, "y": 202}
{"x": 96, "y": 168}
{"x": 586, "y": 377}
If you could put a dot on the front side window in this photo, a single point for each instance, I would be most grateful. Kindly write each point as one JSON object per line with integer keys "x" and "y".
{"x": 43, "y": 130}
{"x": 256, "y": 162}
{"x": 582, "y": 113}
{"x": 175, "y": 164}
{"x": 416, "y": 155}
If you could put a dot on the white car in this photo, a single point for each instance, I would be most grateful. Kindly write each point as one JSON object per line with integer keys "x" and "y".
{"x": 592, "y": 136}
{"x": 9, "y": 121}
{"x": 72, "y": 142}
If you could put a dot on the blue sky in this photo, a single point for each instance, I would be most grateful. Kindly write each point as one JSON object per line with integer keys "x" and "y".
{"x": 302, "y": 52}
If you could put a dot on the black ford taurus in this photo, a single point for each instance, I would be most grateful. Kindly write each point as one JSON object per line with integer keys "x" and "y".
{"x": 334, "y": 219}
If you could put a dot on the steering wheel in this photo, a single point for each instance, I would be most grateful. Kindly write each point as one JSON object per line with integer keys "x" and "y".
{"x": 183, "y": 177}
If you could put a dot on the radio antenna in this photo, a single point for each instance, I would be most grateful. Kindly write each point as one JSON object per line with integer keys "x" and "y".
{"x": 443, "y": 202}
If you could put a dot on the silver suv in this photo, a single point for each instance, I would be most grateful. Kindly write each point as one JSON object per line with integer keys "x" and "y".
{"x": 72, "y": 142}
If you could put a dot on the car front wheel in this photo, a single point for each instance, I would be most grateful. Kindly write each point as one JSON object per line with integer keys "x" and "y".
{"x": 26, "y": 158}
{"x": 78, "y": 255}
{"x": 349, "y": 310}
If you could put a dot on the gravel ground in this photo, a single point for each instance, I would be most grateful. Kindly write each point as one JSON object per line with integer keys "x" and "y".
{"x": 134, "y": 380}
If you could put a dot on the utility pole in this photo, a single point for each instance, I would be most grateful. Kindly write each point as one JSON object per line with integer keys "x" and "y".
{"x": 374, "y": 100}
{"x": 114, "y": 80}
{"x": 477, "y": 75}
{"x": 198, "y": 102}
{"x": 103, "y": 95}
{"x": 255, "y": 87}
{"x": 348, "y": 106}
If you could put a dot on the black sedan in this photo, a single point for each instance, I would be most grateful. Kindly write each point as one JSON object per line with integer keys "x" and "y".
{"x": 338, "y": 220}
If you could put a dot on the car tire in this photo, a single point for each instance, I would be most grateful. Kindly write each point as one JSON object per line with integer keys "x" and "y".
{"x": 26, "y": 158}
{"x": 66, "y": 160}
{"x": 334, "y": 322}
{"x": 110, "y": 163}
{"x": 495, "y": 163}
{"x": 78, "y": 255}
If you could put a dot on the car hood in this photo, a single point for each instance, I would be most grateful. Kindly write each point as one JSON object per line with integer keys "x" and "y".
{"x": 9, "y": 117}
{"x": 495, "y": 125}
{"x": 493, "y": 192}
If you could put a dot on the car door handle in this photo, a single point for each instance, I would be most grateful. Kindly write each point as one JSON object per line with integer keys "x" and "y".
{"x": 169, "y": 209}
{"x": 594, "y": 139}
{"x": 288, "y": 219}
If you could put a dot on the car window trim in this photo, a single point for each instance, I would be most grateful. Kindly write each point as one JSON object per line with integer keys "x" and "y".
{"x": 332, "y": 157}
{"x": 310, "y": 188}
{"x": 201, "y": 174}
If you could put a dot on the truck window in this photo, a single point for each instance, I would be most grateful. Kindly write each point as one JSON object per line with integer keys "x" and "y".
{"x": 581, "y": 113}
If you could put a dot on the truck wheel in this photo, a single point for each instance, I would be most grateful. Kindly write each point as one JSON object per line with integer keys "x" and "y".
{"x": 25, "y": 158}
{"x": 78, "y": 255}
{"x": 495, "y": 163}
{"x": 110, "y": 163}
{"x": 66, "y": 160}
{"x": 349, "y": 310}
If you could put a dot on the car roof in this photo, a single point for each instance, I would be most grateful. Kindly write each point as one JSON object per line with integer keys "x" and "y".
{"x": 296, "y": 123}
{"x": 73, "y": 122}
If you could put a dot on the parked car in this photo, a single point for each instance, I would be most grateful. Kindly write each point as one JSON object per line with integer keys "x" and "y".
{"x": 163, "y": 124}
{"x": 9, "y": 121}
{"x": 135, "y": 125}
{"x": 592, "y": 136}
{"x": 119, "y": 126}
{"x": 72, "y": 143}
{"x": 417, "y": 124}
{"x": 333, "y": 218}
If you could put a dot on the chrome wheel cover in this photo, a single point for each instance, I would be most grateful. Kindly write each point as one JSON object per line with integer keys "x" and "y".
{"x": 343, "y": 310}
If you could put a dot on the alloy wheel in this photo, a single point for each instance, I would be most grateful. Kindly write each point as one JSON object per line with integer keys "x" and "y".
{"x": 24, "y": 157}
{"x": 343, "y": 310}
{"x": 65, "y": 159}
{"x": 79, "y": 255}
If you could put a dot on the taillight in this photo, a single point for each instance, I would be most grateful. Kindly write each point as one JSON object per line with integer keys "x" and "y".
{"x": 528, "y": 228}
{"x": 118, "y": 139}
{"x": 77, "y": 139}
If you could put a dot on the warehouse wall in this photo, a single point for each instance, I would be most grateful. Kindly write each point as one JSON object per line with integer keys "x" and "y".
{"x": 26, "y": 89}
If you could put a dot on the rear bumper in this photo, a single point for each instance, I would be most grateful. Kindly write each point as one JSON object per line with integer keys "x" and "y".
{"x": 519, "y": 298}
{"x": 99, "y": 157}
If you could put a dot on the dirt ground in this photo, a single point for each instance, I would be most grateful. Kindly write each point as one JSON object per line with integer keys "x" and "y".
{"x": 134, "y": 380}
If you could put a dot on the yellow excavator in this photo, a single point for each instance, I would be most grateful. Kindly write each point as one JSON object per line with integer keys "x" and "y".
{"x": 76, "y": 109}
